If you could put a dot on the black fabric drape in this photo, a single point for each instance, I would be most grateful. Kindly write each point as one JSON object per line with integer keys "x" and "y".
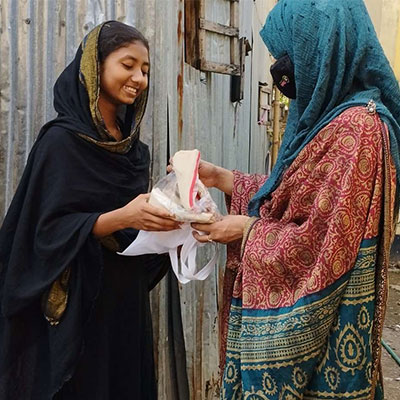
{"x": 67, "y": 183}
{"x": 179, "y": 387}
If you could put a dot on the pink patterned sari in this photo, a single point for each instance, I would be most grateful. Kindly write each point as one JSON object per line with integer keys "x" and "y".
{"x": 305, "y": 291}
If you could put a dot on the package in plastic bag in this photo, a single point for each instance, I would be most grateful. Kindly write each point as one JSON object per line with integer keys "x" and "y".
{"x": 166, "y": 194}
{"x": 183, "y": 194}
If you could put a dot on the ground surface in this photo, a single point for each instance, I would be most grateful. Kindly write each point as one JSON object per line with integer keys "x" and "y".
{"x": 391, "y": 335}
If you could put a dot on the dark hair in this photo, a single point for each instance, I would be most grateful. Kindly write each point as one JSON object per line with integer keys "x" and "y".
{"x": 114, "y": 35}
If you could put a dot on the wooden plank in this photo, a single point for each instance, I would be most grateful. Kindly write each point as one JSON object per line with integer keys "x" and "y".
{"x": 202, "y": 32}
{"x": 231, "y": 31}
{"x": 218, "y": 28}
{"x": 221, "y": 68}
{"x": 235, "y": 51}
{"x": 192, "y": 54}
{"x": 243, "y": 52}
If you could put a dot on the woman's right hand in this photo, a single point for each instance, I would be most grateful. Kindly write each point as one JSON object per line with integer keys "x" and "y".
{"x": 208, "y": 173}
{"x": 141, "y": 215}
{"x": 213, "y": 176}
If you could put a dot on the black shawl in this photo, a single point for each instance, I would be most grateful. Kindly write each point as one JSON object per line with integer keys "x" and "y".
{"x": 50, "y": 263}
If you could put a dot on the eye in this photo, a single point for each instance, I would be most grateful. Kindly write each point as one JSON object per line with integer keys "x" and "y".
{"x": 126, "y": 66}
{"x": 145, "y": 73}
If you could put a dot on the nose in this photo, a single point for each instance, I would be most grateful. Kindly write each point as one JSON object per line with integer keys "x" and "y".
{"x": 138, "y": 76}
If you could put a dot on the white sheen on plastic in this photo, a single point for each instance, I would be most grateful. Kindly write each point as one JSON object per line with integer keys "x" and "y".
{"x": 168, "y": 242}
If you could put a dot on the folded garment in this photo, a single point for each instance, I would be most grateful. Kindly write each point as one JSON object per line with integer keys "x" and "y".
{"x": 185, "y": 163}
{"x": 182, "y": 193}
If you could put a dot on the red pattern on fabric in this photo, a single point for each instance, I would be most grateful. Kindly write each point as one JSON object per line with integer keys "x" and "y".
{"x": 244, "y": 188}
{"x": 310, "y": 230}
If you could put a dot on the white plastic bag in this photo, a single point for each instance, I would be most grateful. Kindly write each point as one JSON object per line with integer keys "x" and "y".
{"x": 168, "y": 242}
{"x": 166, "y": 194}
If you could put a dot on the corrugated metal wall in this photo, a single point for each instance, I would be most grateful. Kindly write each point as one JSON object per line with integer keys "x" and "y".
{"x": 191, "y": 108}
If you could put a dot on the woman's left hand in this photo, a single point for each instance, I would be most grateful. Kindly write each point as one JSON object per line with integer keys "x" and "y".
{"x": 228, "y": 229}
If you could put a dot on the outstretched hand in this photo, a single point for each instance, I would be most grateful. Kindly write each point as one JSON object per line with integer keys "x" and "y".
{"x": 228, "y": 229}
{"x": 139, "y": 214}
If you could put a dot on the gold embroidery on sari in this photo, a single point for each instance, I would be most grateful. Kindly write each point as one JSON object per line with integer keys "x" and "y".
{"x": 110, "y": 243}
{"x": 89, "y": 70}
{"x": 54, "y": 301}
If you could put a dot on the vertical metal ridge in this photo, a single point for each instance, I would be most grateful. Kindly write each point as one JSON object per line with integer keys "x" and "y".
{"x": 30, "y": 63}
{"x": 52, "y": 23}
{"x": 70, "y": 30}
{"x": 110, "y": 7}
{"x": 13, "y": 60}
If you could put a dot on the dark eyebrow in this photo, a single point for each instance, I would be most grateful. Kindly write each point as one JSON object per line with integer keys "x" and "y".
{"x": 134, "y": 59}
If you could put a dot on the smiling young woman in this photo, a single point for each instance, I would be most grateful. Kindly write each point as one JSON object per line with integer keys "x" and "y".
{"x": 75, "y": 316}
{"x": 123, "y": 78}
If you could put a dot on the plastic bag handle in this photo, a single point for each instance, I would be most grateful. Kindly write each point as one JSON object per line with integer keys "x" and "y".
{"x": 188, "y": 262}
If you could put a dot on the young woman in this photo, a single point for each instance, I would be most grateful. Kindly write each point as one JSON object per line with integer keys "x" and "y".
{"x": 306, "y": 278}
{"x": 75, "y": 318}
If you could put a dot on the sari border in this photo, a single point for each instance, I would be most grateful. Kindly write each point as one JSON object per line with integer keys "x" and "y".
{"x": 382, "y": 265}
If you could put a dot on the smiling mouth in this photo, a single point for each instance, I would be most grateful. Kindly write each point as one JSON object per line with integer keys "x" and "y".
{"x": 131, "y": 90}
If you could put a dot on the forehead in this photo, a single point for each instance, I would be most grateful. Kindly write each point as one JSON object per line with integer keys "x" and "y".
{"x": 136, "y": 50}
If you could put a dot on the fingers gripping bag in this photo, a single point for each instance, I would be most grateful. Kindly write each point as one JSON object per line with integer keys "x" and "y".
{"x": 182, "y": 194}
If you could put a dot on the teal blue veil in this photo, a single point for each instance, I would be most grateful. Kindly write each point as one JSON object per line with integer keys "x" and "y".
{"x": 339, "y": 63}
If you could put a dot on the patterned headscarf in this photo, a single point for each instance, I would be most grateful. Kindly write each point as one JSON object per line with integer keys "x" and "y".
{"x": 339, "y": 63}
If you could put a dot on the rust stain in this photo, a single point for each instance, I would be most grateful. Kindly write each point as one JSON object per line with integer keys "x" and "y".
{"x": 179, "y": 29}
{"x": 180, "y": 104}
